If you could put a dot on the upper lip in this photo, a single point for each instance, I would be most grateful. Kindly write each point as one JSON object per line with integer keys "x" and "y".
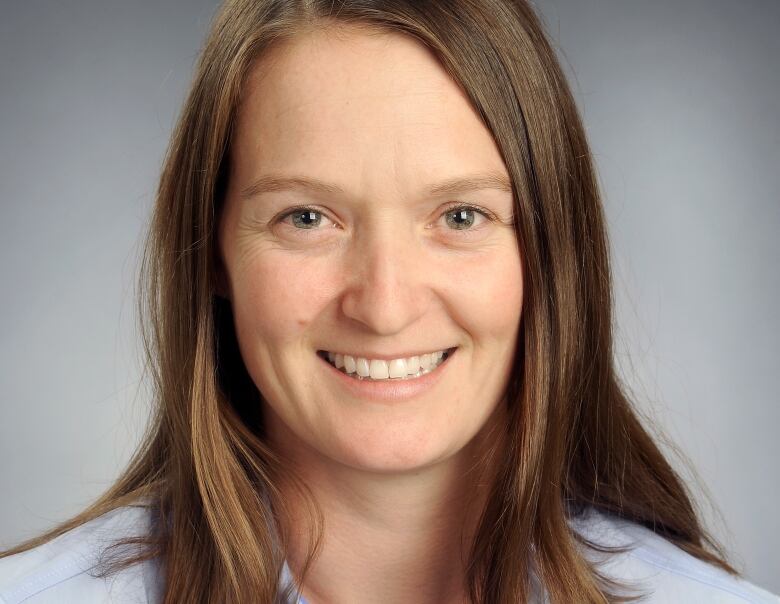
{"x": 390, "y": 357}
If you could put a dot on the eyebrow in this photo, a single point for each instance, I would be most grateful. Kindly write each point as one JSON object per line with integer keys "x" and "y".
{"x": 460, "y": 184}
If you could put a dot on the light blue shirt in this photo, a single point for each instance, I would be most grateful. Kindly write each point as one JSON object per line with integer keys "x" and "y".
{"x": 57, "y": 572}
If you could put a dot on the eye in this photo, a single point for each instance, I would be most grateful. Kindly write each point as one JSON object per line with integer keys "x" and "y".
{"x": 463, "y": 216}
{"x": 304, "y": 218}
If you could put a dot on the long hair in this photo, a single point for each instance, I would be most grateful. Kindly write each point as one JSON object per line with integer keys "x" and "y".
{"x": 573, "y": 438}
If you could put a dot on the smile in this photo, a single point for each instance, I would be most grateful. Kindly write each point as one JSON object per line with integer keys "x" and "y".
{"x": 388, "y": 390}
{"x": 378, "y": 369}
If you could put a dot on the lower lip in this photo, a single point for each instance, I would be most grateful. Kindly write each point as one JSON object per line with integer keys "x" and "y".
{"x": 390, "y": 390}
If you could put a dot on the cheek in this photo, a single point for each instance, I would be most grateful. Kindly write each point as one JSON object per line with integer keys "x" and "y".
{"x": 277, "y": 296}
{"x": 487, "y": 294}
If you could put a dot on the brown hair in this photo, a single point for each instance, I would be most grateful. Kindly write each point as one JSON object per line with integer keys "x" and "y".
{"x": 574, "y": 439}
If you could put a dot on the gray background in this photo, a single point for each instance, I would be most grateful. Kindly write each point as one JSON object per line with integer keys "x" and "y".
{"x": 680, "y": 100}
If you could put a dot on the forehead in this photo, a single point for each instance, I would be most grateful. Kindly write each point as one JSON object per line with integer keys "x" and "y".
{"x": 358, "y": 101}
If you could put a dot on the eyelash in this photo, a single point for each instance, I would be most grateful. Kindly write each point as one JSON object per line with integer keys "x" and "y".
{"x": 455, "y": 207}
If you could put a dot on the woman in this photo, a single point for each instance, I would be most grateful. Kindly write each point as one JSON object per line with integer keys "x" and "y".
{"x": 378, "y": 301}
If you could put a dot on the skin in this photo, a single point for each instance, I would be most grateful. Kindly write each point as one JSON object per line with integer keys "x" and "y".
{"x": 382, "y": 269}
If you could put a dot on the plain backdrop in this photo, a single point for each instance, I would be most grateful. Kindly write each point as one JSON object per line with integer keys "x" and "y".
{"x": 680, "y": 99}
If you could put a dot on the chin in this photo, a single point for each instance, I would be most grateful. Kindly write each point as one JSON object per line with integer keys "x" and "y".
{"x": 391, "y": 453}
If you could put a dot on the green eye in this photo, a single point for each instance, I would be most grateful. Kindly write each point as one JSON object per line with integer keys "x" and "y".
{"x": 467, "y": 217}
{"x": 462, "y": 217}
{"x": 306, "y": 219}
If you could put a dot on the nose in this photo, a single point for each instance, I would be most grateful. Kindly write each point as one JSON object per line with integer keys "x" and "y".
{"x": 386, "y": 288}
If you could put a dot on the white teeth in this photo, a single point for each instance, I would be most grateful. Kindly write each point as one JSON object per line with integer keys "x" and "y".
{"x": 396, "y": 369}
{"x": 377, "y": 369}
{"x": 363, "y": 369}
{"x": 412, "y": 365}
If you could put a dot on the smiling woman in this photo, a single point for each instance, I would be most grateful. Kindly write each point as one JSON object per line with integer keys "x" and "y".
{"x": 391, "y": 259}
{"x": 378, "y": 318}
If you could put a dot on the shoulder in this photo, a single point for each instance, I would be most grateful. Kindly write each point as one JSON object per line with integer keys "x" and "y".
{"x": 62, "y": 570}
{"x": 660, "y": 569}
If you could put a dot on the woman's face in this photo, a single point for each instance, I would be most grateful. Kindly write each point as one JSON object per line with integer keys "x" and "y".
{"x": 380, "y": 265}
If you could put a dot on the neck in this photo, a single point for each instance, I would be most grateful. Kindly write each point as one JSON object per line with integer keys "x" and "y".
{"x": 400, "y": 537}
